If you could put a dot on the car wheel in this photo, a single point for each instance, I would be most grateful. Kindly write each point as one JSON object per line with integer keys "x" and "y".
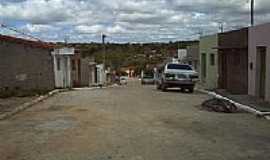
{"x": 158, "y": 86}
{"x": 182, "y": 89}
{"x": 163, "y": 88}
{"x": 191, "y": 90}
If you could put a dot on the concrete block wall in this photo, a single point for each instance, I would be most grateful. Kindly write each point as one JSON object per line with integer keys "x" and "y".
{"x": 23, "y": 67}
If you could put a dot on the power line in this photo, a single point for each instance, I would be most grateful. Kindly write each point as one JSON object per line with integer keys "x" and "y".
{"x": 20, "y": 32}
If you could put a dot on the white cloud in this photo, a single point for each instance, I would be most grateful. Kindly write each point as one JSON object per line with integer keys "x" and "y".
{"x": 38, "y": 28}
{"x": 89, "y": 29}
{"x": 145, "y": 19}
{"x": 99, "y": 29}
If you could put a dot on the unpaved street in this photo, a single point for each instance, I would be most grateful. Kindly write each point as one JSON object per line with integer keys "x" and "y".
{"x": 133, "y": 122}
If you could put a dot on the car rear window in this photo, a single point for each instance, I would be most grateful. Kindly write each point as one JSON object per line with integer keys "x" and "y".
{"x": 148, "y": 75}
{"x": 179, "y": 66}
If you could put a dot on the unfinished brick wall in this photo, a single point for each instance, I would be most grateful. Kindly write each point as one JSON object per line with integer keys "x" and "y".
{"x": 25, "y": 68}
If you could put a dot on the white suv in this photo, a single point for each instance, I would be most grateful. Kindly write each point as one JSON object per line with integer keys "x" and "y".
{"x": 177, "y": 75}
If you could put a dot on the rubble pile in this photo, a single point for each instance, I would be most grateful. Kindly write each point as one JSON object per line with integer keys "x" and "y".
{"x": 219, "y": 105}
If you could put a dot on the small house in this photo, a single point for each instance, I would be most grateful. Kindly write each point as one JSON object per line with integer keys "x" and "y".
{"x": 100, "y": 75}
{"x": 233, "y": 61}
{"x": 25, "y": 65}
{"x": 208, "y": 61}
{"x": 193, "y": 56}
{"x": 181, "y": 55}
{"x": 62, "y": 66}
{"x": 83, "y": 70}
{"x": 259, "y": 61}
{"x": 29, "y": 66}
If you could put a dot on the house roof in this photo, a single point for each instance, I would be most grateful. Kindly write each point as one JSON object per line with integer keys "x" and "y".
{"x": 31, "y": 43}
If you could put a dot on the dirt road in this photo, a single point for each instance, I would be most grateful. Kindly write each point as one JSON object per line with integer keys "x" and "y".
{"x": 131, "y": 123}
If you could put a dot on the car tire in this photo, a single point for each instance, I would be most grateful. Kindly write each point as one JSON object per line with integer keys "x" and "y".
{"x": 163, "y": 87}
{"x": 191, "y": 90}
{"x": 158, "y": 86}
{"x": 182, "y": 90}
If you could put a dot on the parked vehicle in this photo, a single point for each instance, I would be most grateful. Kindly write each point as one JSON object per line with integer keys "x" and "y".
{"x": 148, "y": 78}
{"x": 123, "y": 80}
{"x": 177, "y": 76}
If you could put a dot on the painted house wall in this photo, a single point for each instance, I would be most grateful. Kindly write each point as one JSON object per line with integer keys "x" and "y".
{"x": 87, "y": 71}
{"x": 193, "y": 56}
{"x": 24, "y": 67}
{"x": 258, "y": 36}
{"x": 101, "y": 75}
{"x": 206, "y": 46}
{"x": 233, "y": 61}
{"x": 62, "y": 67}
{"x": 76, "y": 70}
{"x": 83, "y": 70}
{"x": 62, "y": 71}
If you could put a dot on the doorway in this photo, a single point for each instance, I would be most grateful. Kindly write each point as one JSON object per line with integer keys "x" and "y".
{"x": 261, "y": 64}
{"x": 203, "y": 67}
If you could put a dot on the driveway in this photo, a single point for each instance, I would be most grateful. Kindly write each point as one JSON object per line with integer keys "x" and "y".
{"x": 131, "y": 122}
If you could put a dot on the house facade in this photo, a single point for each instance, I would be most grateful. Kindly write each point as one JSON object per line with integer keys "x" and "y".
{"x": 25, "y": 65}
{"x": 62, "y": 66}
{"x": 100, "y": 75}
{"x": 181, "y": 55}
{"x": 233, "y": 61}
{"x": 28, "y": 66}
{"x": 76, "y": 69}
{"x": 193, "y": 56}
{"x": 208, "y": 61}
{"x": 259, "y": 61}
{"x": 83, "y": 70}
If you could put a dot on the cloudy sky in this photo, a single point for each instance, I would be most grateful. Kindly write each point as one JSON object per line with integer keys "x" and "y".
{"x": 127, "y": 20}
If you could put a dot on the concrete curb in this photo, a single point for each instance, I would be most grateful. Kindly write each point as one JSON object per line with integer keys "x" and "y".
{"x": 30, "y": 104}
{"x": 238, "y": 105}
{"x": 93, "y": 88}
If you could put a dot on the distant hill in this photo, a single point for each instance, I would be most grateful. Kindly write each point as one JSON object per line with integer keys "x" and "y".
{"x": 129, "y": 54}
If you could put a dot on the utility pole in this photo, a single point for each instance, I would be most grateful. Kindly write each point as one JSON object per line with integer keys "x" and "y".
{"x": 104, "y": 49}
{"x": 252, "y": 12}
{"x": 66, "y": 38}
{"x": 200, "y": 33}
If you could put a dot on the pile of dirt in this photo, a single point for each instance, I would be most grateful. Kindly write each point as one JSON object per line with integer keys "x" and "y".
{"x": 219, "y": 105}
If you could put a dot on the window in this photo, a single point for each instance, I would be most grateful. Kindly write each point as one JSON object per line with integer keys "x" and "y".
{"x": 148, "y": 75}
{"x": 58, "y": 64}
{"x": 212, "y": 59}
{"x": 179, "y": 66}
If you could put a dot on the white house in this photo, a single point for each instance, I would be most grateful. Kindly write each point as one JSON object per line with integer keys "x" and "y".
{"x": 101, "y": 74}
{"x": 62, "y": 66}
{"x": 182, "y": 54}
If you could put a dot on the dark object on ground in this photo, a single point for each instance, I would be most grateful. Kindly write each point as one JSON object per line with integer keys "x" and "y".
{"x": 219, "y": 105}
